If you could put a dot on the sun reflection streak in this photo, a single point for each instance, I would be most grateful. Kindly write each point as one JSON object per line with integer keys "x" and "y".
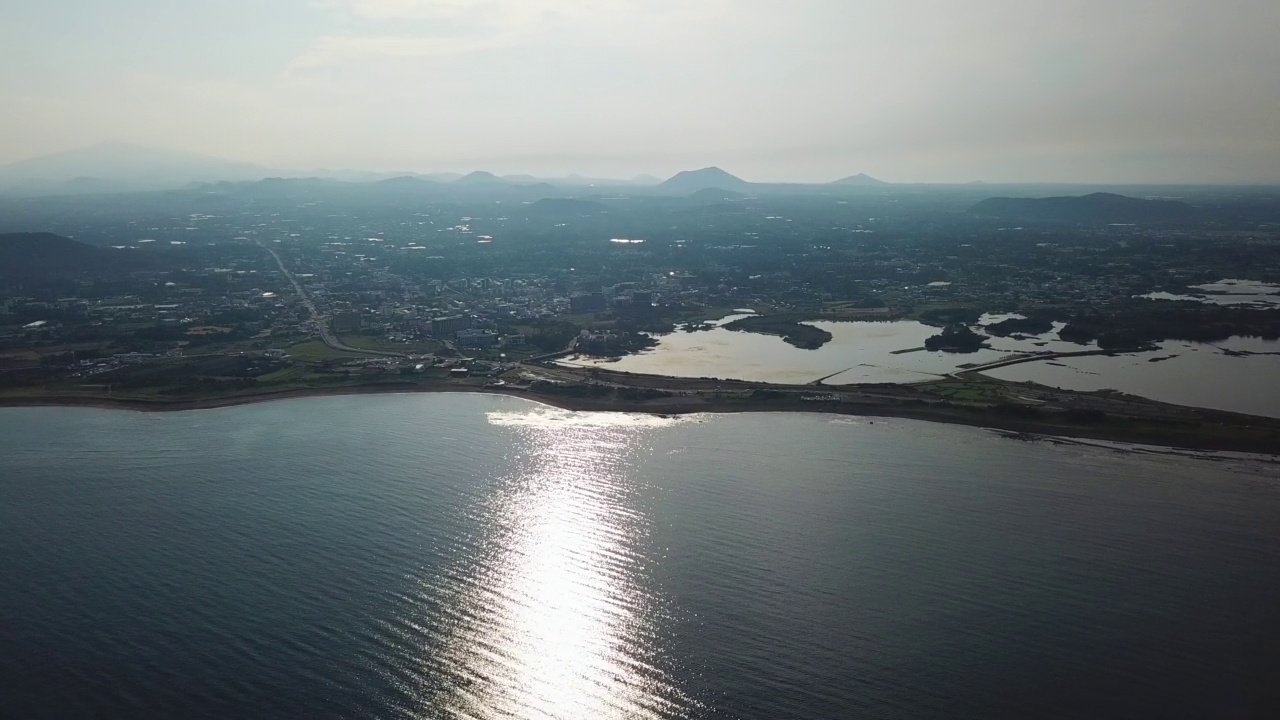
{"x": 558, "y": 622}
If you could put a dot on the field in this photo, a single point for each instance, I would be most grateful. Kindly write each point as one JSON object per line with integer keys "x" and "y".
{"x": 966, "y": 391}
{"x": 316, "y": 350}
{"x": 373, "y": 342}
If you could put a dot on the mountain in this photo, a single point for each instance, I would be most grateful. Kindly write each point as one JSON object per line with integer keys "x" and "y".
{"x": 525, "y": 179}
{"x": 116, "y": 167}
{"x": 691, "y": 181}
{"x": 861, "y": 179}
{"x": 645, "y": 180}
{"x": 1095, "y": 208}
{"x": 479, "y": 177}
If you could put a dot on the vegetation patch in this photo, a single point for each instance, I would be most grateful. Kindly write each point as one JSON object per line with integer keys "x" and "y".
{"x": 956, "y": 339}
{"x": 1036, "y": 324}
{"x": 790, "y": 329}
{"x": 317, "y": 350}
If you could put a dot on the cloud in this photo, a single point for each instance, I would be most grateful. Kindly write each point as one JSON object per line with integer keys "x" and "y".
{"x": 411, "y": 9}
{"x": 340, "y": 49}
{"x": 924, "y": 89}
{"x": 506, "y": 12}
{"x": 424, "y": 28}
{"x": 421, "y": 41}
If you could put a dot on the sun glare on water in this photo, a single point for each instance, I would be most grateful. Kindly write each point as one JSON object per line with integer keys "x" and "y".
{"x": 557, "y": 621}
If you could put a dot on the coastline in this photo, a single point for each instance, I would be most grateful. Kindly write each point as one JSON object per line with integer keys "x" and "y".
{"x": 1173, "y": 435}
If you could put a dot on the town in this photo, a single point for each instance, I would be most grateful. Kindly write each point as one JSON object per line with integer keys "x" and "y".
{"x": 277, "y": 284}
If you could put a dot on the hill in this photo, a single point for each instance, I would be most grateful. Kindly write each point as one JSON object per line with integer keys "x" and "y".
{"x": 479, "y": 177}
{"x": 715, "y": 194}
{"x": 1095, "y": 208}
{"x": 691, "y": 181}
{"x": 33, "y": 256}
{"x": 861, "y": 179}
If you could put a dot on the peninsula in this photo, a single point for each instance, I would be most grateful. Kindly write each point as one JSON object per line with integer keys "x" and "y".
{"x": 968, "y": 399}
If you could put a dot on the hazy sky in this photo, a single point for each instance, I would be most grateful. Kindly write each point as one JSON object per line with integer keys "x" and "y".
{"x": 907, "y": 90}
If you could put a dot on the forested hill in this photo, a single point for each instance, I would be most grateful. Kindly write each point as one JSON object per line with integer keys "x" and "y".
{"x": 41, "y": 255}
{"x": 1092, "y": 209}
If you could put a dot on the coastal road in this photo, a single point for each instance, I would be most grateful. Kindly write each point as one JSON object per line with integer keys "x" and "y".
{"x": 1026, "y": 358}
{"x": 321, "y": 321}
{"x": 674, "y": 385}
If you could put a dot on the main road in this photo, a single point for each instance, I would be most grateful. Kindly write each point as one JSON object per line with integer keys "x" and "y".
{"x": 321, "y": 321}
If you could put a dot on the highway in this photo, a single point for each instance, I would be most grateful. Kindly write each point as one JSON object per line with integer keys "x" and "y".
{"x": 320, "y": 321}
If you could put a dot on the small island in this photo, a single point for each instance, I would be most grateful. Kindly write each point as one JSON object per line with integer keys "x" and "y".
{"x": 956, "y": 339}
{"x": 791, "y": 330}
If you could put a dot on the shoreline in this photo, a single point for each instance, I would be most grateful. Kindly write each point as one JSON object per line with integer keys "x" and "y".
{"x": 1172, "y": 435}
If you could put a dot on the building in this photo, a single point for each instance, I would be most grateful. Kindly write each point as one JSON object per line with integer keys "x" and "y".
{"x": 345, "y": 322}
{"x": 477, "y": 338}
{"x": 446, "y": 327}
{"x": 637, "y": 305}
{"x": 589, "y": 303}
{"x": 613, "y": 291}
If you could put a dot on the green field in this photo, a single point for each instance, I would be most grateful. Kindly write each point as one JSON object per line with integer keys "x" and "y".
{"x": 369, "y": 342}
{"x": 706, "y": 314}
{"x": 292, "y": 374}
{"x": 965, "y": 391}
{"x": 317, "y": 350}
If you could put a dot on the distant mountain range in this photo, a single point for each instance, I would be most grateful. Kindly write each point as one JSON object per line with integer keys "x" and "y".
{"x": 709, "y": 179}
{"x": 407, "y": 181}
{"x": 122, "y": 167}
{"x": 111, "y": 167}
{"x": 1096, "y": 208}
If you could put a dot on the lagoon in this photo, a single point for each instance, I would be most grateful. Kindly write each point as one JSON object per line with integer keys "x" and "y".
{"x": 859, "y": 352}
{"x": 1211, "y": 375}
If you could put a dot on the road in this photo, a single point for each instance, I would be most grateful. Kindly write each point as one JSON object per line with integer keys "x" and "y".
{"x": 320, "y": 321}
{"x": 1030, "y": 357}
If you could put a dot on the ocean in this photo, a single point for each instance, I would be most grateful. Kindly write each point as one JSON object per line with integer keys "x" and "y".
{"x": 475, "y": 556}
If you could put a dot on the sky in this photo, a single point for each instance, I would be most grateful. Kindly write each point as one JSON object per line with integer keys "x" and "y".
{"x": 771, "y": 90}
